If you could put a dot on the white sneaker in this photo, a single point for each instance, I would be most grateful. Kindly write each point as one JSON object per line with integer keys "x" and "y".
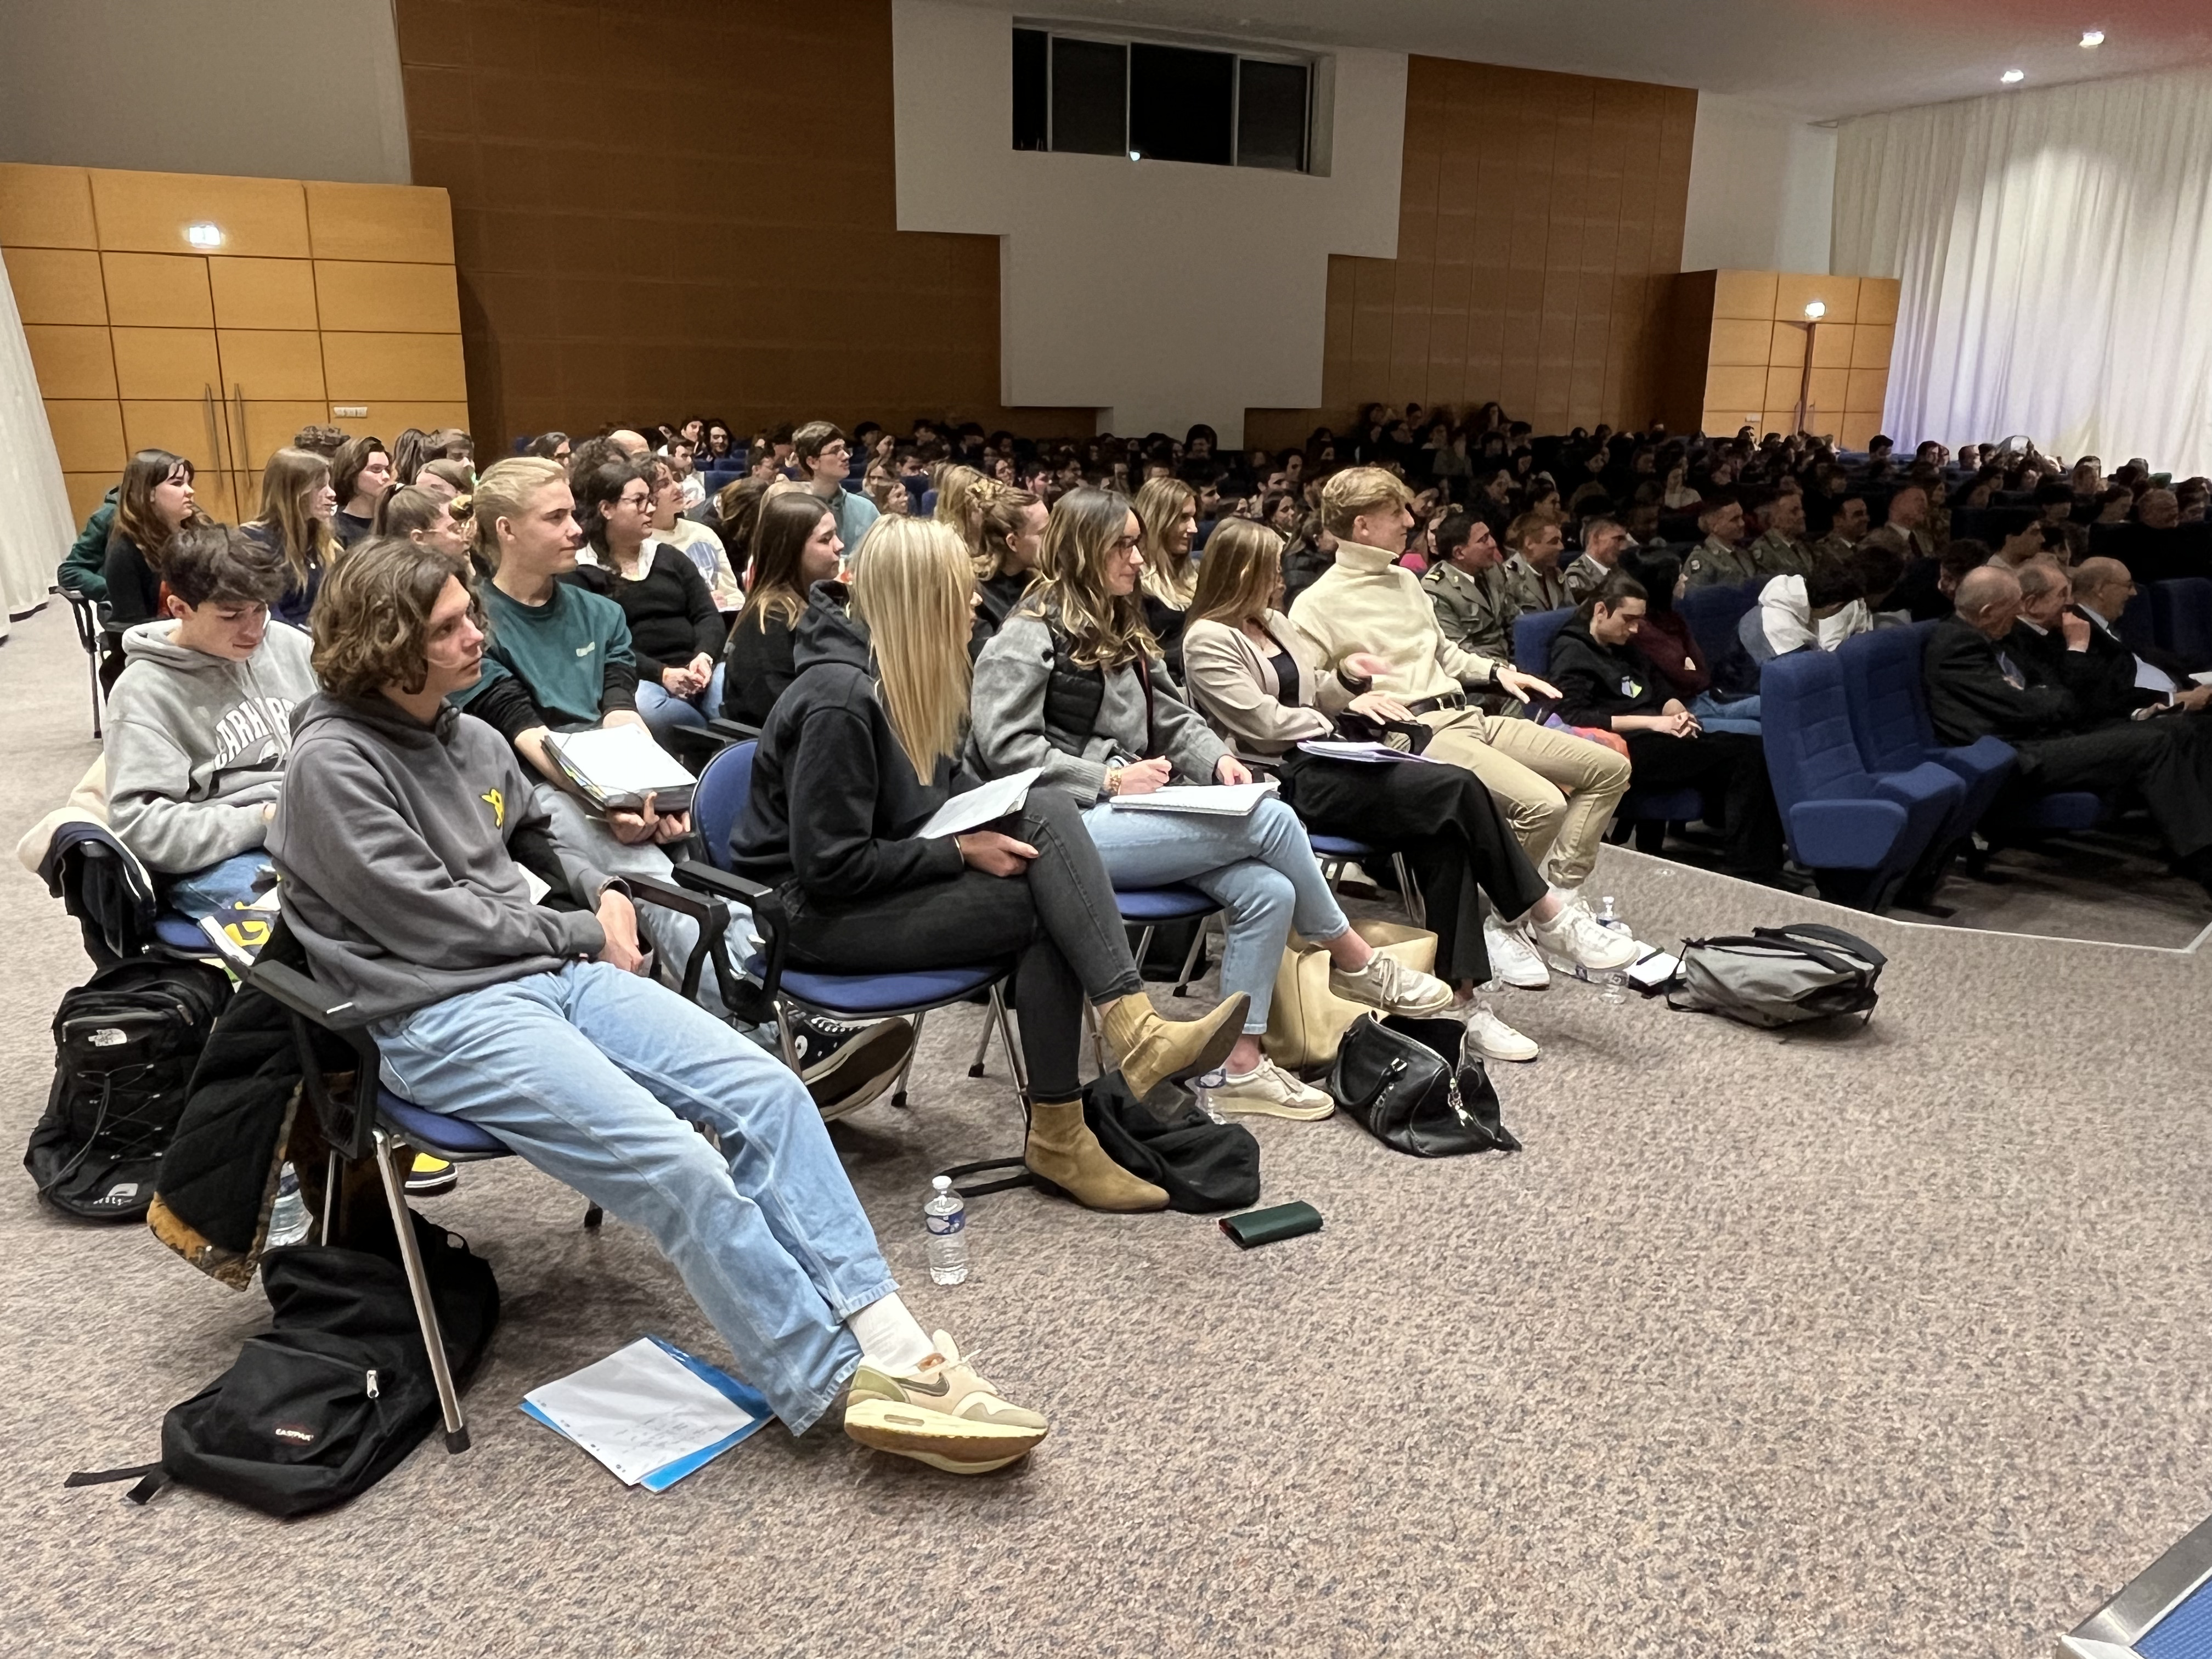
{"x": 1575, "y": 934}
{"x": 1496, "y": 1039}
{"x": 1513, "y": 960}
{"x": 1270, "y": 1092}
{"x": 1387, "y": 984}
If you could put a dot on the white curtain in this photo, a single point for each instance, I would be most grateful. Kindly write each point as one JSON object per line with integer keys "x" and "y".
{"x": 2056, "y": 253}
{"x": 35, "y": 527}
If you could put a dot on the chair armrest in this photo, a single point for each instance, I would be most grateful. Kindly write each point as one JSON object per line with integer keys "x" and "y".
{"x": 766, "y": 905}
{"x": 348, "y": 1121}
{"x": 293, "y": 989}
{"x": 710, "y": 878}
{"x": 733, "y": 731}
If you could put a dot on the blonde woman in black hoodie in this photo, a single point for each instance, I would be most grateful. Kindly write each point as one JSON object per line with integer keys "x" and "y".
{"x": 855, "y": 756}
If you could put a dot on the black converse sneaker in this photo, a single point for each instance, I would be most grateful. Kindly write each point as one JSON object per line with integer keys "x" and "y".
{"x": 844, "y": 1067}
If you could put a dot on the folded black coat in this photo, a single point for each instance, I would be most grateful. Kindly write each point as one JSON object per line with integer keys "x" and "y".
{"x": 1203, "y": 1166}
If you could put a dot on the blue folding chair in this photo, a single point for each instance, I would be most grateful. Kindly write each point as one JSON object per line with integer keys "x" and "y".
{"x": 719, "y": 801}
{"x": 1335, "y": 851}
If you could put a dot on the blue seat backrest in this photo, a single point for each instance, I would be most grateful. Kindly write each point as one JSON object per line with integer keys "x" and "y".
{"x": 1886, "y": 697}
{"x": 1805, "y": 721}
{"x": 2135, "y": 625}
{"x": 929, "y": 502}
{"x": 1713, "y": 613}
{"x": 2181, "y": 613}
{"x": 719, "y": 800}
{"x": 1533, "y": 636}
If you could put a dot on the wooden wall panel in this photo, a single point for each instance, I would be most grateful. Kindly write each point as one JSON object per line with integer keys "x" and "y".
{"x": 58, "y": 285}
{"x": 1540, "y": 227}
{"x": 1730, "y": 365}
{"x": 614, "y": 268}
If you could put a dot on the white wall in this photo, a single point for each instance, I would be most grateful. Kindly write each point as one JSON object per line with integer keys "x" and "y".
{"x": 1159, "y": 293}
{"x": 269, "y": 89}
{"x": 1762, "y": 189}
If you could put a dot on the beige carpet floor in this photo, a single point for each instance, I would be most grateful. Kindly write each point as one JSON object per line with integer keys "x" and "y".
{"x": 1878, "y": 1341}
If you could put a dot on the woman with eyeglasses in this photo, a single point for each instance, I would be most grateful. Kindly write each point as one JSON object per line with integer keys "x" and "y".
{"x": 675, "y": 632}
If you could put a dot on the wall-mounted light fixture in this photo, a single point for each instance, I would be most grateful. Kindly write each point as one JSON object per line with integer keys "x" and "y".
{"x": 2093, "y": 37}
{"x": 204, "y": 236}
{"x": 1816, "y": 309}
{"x": 2013, "y": 77}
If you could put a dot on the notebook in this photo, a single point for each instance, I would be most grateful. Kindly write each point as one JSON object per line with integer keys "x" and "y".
{"x": 650, "y": 1412}
{"x": 617, "y": 767}
{"x": 1228, "y": 800}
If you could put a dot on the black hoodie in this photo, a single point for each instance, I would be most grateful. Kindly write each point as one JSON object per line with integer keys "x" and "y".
{"x": 1597, "y": 682}
{"x": 835, "y": 800}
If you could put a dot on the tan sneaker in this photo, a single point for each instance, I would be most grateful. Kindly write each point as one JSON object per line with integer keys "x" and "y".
{"x": 1270, "y": 1092}
{"x": 943, "y": 1414}
{"x": 1387, "y": 983}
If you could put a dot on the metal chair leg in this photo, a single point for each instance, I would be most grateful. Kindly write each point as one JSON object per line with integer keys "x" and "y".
{"x": 787, "y": 1043}
{"x": 898, "y": 1093}
{"x": 418, "y": 1286}
{"x": 1190, "y": 956}
{"x": 997, "y": 1016}
{"x": 1417, "y": 908}
{"x": 983, "y": 1041}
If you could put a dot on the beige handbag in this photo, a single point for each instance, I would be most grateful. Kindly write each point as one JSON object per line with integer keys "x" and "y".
{"x": 1305, "y": 1022}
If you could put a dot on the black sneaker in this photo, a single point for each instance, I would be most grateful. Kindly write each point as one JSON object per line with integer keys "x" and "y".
{"x": 845, "y": 1066}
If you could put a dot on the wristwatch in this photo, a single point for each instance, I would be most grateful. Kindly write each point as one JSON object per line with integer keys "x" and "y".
{"x": 1113, "y": 781}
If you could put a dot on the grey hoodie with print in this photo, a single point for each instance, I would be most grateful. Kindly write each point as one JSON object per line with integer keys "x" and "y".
{"x": 197, "y": 743}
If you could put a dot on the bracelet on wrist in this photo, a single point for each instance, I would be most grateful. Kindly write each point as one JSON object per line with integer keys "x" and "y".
{"x": 1113, "y": 781}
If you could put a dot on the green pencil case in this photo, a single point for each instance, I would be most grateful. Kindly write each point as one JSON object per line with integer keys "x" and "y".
{"x": 1269, "y": 1226}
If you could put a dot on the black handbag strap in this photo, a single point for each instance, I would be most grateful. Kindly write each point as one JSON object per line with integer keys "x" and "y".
{"x": 1004, "y": 1184}
{"x": 152, "y": 1479}
{"x": 1798, "y": 932}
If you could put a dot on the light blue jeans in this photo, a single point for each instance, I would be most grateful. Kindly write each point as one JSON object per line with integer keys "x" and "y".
{"x": 220, "y": 887}
{"x": 1722, "y": 714}
{"x": 595, "y": 1076}
{"x": 1260, "y": 869}
{"x": 661, "y": 708}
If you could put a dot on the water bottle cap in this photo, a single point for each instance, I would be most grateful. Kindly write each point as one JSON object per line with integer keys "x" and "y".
{"x": 943, "y": 1183}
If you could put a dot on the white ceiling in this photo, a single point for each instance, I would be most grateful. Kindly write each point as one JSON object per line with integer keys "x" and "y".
{"x": 1818, "y": 59}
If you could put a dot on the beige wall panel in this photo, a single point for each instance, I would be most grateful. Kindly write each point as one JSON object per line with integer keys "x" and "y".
{"x": 56, "y": 285}
{"x": 1853, "y": 430}
{"x": 262, "y": 293}
{"x": 1740, "y": 343}
{"x": 165, "y": 363}
{"x": 388, "y": 419}
{"x": 1831, "y": 345}
{"x": 1878, "y": 300}
{"x": 1870, "y": 346}
{"x": 1722, "y": 421}
{"x": 178, "y": 425}
{"x": 1788, "y": 349}
{"x": 365, "y": 296}
{"x": 1782, "y": 386}
{"x": 147, "y": 212}
{"x": 86, "y": 490}
{"x": 1795, "y": 290}
{"x": 270, "y": 426}
{"x": 1866, "y": 390}
{"x": 157, "y": 291}
{"x": 272, "y": 363}
{"x": 45, "y": 207}
{"x": 1778, "y": 419}
{"x": 1743, "y": 293}
{"x": 71, "y": 362}
{"x": 365, "y": 368}
{"x": 1740, "y": 389}
{"x": 87, "y": 433}
{"x": 1827, "y": 390}
{"x": 380, "y": 221}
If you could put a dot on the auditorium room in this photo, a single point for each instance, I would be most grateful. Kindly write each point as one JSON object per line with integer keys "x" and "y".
{"x": 1508, "y": 950}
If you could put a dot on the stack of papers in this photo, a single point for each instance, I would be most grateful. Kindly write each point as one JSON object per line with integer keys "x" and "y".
{"x": 651, "y": 1413}
{"x": 1232, "y": 800}
{"x": 986, "y": 803}
{"x": 1374, "y": 753}
{"x": 617, "y": 767}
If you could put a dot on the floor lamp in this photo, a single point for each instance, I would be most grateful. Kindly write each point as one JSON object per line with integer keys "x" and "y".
{"x": 1814, "y": 310}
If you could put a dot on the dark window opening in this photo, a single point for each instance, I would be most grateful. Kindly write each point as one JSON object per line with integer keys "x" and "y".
{"x": 1090, "y": 102}
{"x": 1181, "y": 103}
{"x": 1271, "y": 115}
{"x": 1032, "y": 110}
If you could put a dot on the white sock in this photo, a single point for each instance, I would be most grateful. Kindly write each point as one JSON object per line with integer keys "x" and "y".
{"x": 891, "y": 1338}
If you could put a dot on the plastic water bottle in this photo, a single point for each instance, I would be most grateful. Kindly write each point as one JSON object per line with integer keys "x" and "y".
{"x": 946, "y": 1217}
{"x": 1202, "y": 1090}
{"x": 1609, "y": 916}
{"x": 288, "y": 1220}
{"x": 1616, "y": 990}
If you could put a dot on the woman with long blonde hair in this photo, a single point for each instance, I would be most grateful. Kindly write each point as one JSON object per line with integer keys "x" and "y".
{"x": 1167, "y": 511}
{"x": 1073, "y": 686}
{"x": 1008, "y": 540}
{"x": 297, "y": 505}
{"x": 856, "y": 756}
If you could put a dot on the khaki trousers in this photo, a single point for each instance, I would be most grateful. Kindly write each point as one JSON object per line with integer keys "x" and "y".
{"x": 1559, "y": 791}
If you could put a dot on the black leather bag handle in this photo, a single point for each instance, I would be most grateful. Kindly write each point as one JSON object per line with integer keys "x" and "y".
{"x": 1798, "y": 933}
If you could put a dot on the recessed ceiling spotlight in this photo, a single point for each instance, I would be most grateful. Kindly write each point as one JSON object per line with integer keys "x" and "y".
{"x": 204, "y": 236}
{"x": 2093, "y": 37}
{"x": 2013, "y": 77}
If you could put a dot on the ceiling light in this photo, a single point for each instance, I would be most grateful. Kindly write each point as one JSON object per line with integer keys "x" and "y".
{"x": 2093, "y": 37}
{"x": 204, "y": 236}
{"x": 2013, "y": 77}
{"x": 1816, "y": 309}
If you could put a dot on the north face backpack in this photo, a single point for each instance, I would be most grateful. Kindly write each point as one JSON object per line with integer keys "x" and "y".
{"x": 1780, "y": 975}
{"x": 320, "y": 1407}
{"x": 125, "y": 1042}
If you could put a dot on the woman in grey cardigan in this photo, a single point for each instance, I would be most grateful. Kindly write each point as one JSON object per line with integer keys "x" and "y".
{"x": 1264, "y": 686}
{"x": 1073, "y": 682}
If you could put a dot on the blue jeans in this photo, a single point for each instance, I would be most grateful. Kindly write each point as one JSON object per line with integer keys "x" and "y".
{"x": 661, "y": 709}
{"x": 220, "y": 887}
{"x": 595, "y": 1076}
{"x": 1722, "y": 714}
{"x": 1261, "y": 869}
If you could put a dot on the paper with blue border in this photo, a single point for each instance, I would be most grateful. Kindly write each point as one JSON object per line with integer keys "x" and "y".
{"x": 743, "y": 1398}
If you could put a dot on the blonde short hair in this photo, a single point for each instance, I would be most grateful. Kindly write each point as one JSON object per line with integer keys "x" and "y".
{"x": 504, "y": 492}
{"x": 1357, "y": 492}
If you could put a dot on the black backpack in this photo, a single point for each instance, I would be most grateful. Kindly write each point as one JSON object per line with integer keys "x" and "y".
{"x": 125, "y": 1042}
{"x": 322, "y": 1407}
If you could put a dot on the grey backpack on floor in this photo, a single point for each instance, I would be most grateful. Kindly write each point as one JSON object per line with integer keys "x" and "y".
{"x": 1780, "y": 975}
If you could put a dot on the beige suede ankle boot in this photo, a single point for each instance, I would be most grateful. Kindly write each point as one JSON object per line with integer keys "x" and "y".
{"x": 1151, "y": 1051}
{"x": 1062, "y": 1153}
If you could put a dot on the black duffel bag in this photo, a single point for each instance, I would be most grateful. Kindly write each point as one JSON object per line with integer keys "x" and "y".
{"x": 1407, "y": 1082}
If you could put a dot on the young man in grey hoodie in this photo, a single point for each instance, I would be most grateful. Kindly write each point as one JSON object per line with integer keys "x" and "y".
{"x": 404, "y": 834}
{"x": 200, "y": 720}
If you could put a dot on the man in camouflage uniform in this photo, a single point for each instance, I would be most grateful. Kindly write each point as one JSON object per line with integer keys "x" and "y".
{"x": 1720, "y": 557}
{"x": 1532, "y": 573}
{"x": 1468, "y": 589}
{"x": 1780, "y": 550}
{"x": 1848, "y": 530}
{"x": 1604, "y": 540}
